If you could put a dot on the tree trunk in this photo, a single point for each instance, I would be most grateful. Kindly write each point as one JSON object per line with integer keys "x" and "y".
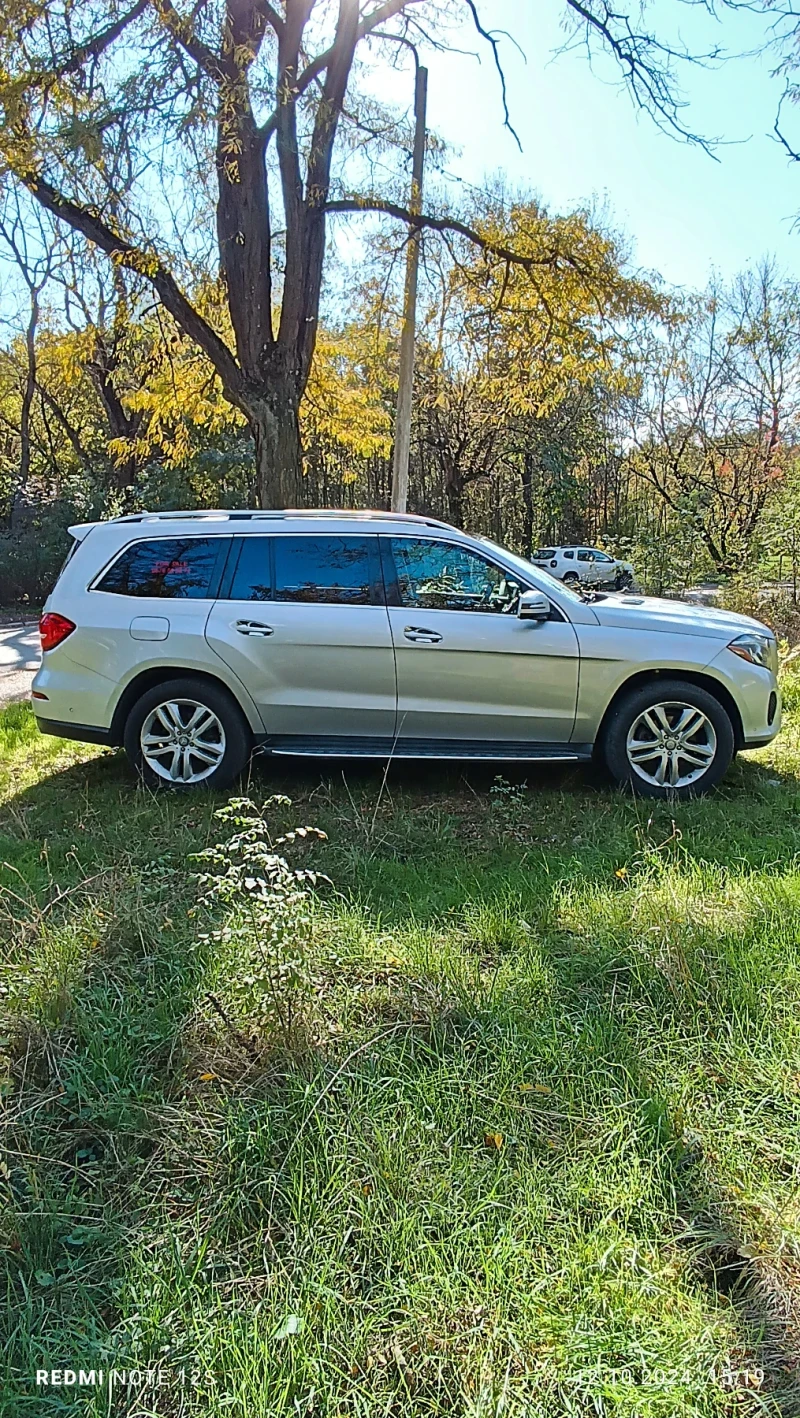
{"x": 454, "y": 491}
{"x": 527, "y": 498}
{"x": 275, "y": 427}
{"x": 28, "y": 392}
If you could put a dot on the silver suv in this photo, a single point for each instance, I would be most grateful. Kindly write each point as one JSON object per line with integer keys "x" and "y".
{"x": 587, "y": 565}
{"x": 194, "y": 637}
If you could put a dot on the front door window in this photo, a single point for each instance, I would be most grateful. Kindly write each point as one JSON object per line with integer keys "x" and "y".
{"x": 443, "y": 577}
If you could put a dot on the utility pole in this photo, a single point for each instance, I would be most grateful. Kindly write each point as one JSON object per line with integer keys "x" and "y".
{"x": 402, "y": 428}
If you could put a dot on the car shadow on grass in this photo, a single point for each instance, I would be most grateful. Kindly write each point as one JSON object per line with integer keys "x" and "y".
{"x": 483, "y": 1108}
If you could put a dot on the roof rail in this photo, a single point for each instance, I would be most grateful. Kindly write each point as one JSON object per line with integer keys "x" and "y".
{"x": 237, "y": 515}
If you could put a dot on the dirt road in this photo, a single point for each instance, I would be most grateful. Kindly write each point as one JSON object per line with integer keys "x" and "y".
{"x": 19, "y": 659}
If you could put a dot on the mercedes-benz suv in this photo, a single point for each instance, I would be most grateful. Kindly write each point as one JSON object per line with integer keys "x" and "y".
{"x": 194, "y": 638}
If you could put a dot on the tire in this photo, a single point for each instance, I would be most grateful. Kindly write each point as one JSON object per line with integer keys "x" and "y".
{"x": 570, "y": 578}
{"x": 638, "y": 751}
{"x": 212, "y": 759}
{"x": 623, "y": 581}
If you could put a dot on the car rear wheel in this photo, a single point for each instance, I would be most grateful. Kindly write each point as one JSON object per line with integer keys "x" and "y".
{"x": 570, "y": 578}
{"x": 669, "y": 739}
{"x": 187, "y": 733}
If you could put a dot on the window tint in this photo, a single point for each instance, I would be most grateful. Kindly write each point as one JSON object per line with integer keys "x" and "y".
{"x": 544, "y": 554}
{"x": 585, "y": 556}
{"x": 321, "y": 570}
{"x": 601, "y": 556}
{"x": 439, "y": 576}
{"x": 569, "y": 555}
{"x": 252, "y": 580}
{"x": 332, "y": 570}
{"x": 175, "y": 568}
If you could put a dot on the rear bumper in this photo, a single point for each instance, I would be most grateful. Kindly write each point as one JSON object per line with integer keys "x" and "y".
{"x": 84, "y": 733}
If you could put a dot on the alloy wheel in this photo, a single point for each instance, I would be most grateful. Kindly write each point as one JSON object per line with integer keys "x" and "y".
{"x": 671, "y": 745}
{"x": 182, "y": 741}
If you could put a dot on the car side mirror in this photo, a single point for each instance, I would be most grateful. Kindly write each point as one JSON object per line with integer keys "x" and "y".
{"x": 533, "y": 605}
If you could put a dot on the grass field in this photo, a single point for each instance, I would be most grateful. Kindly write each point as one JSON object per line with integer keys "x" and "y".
{"x": 530, "y": 1144}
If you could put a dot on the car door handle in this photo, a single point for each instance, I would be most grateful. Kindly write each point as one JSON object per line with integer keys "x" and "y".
{"x": 253, "y": 627}
{"x": 418, "y": 634}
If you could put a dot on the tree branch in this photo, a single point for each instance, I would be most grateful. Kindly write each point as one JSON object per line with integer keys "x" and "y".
{"x": 421, "y": 220}
{"x": 490, "y": 38}
{"x": 776, "y": 128}
{"x": 93, "y": 48}
{"x": 270, "y": 16}
{"x": 319, "y": 64}
{"x": 646, "y": 64}
{"x": 181, "y": 31}
{"x": 92, "y": 226}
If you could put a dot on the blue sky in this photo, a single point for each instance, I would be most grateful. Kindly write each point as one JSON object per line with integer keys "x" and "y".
{"x": 685, "y": 213}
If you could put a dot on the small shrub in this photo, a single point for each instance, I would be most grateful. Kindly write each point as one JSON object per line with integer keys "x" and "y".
{"x": 267, "y": 926}
{"x": 510, "y": 807}
{"x": 30, "y": 559}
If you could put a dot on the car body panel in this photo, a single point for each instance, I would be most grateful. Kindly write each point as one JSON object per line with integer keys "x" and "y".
{"x": 671, "y": 617}
{"x": 86, "y": 676}
{"x": 322, "y": 669}
{"x": 489, "y": 676}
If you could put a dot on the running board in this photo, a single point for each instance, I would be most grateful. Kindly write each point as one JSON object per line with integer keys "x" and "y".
{"x": 295, "y": 746}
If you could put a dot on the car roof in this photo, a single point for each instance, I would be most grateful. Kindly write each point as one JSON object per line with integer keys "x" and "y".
{"x": 288, "y": 514}
{"x": 256, "y": 519}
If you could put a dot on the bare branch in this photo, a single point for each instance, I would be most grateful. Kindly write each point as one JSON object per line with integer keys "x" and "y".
{"x": 647, "y": 65}
{"x": 776, "y": 128}
{"x": 490, "y": 37}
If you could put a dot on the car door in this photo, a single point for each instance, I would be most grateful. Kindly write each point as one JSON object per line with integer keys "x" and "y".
{"x": 302, "y": 621}
{"x": 605, "y": 567}
{"x": 566, "y": 566}
{"x": 586, "y": 567}
{"x": 468, "y": 668}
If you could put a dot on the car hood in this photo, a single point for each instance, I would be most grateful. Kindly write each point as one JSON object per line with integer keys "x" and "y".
{"x": 652, "y": 613}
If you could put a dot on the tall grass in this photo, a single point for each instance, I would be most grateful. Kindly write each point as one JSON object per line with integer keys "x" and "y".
{"x": 535, "y": 1150}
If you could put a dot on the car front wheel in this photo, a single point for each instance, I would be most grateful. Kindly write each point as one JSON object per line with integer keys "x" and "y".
{"x": 668, "y": 739}
{"x": 187, "y": 733}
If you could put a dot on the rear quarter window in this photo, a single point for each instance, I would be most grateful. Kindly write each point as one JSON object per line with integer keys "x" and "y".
{"x": 174, "y": 568}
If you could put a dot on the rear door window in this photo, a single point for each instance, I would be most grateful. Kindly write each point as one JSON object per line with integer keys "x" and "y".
{"x": 316, "y": 570}
{"x": 172, "y": 568}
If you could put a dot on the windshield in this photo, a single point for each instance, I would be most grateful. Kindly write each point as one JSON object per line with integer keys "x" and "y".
{"x": 527, "y": 568}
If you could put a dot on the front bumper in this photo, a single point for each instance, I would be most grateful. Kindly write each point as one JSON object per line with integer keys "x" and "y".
{"x": 755, "y": 693}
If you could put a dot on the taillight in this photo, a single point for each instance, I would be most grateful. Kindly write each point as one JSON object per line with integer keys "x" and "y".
{"x": 53, "y": 628}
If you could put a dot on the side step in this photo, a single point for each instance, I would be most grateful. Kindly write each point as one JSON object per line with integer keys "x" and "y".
{"x": 492, "y": 751}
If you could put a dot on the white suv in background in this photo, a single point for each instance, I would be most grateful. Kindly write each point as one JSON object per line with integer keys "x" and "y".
{"x": 585, "y": 566}
{"x": 195, "y": 637}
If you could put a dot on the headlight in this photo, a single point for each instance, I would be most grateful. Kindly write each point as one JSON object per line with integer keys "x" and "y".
{"x": 758, "y": 649}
